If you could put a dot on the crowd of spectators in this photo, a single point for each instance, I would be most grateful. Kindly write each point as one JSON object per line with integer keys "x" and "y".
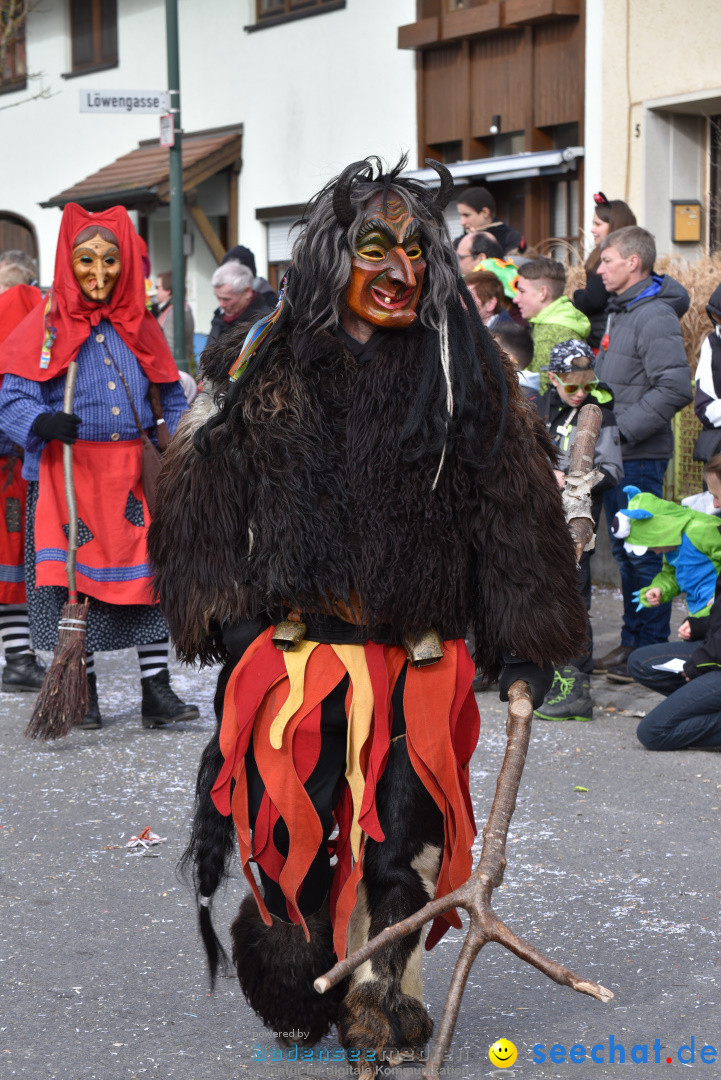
{"x": 617, "y": 341}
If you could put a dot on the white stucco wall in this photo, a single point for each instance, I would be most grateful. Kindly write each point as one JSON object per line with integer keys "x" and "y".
{"x": 313, "y": 95}
{"x": 640, "y": 54}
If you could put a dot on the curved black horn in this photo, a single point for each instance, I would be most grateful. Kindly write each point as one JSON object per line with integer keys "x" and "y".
{"x": 342, "y": 206}
{"x": 447, "y": 188}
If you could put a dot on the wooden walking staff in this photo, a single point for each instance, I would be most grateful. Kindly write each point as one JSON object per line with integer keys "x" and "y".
{"x": 475, "y": 894}
{"x": 63, "y": 699}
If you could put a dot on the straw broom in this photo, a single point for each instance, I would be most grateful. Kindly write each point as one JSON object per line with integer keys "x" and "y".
{"x": 63, "y": 699}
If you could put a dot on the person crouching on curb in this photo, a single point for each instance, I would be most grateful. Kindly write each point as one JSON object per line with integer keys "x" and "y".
{"x": 573, "y": 384}
{"x": 691, "y": 713}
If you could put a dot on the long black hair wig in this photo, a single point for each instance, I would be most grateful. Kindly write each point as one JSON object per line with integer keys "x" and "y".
{"x": 450, "y": 396}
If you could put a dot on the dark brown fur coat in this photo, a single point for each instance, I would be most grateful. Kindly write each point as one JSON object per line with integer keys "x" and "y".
{"x": 314, "y": 500}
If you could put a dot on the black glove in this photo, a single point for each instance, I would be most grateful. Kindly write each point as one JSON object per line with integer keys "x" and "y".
{"x": 57, "y": 425}
{"x": 539, "y": 679}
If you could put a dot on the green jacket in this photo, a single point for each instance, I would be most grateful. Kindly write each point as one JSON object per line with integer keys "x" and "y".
{"x": 556, "y": 323}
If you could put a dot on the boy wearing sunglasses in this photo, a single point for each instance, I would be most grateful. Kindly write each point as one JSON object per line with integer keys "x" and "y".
{"x": 573, "y": 384}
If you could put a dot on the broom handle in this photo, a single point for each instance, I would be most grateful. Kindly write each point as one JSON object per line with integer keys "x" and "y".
{"x": 68, "y": 399}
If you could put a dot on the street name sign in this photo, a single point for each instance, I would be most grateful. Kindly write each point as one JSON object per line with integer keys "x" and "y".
{"x": 125, "y": 101}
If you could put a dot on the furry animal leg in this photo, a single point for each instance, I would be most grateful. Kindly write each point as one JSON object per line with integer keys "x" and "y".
{"x": 383, "y": 1009}
{"x": 276, "y": 967}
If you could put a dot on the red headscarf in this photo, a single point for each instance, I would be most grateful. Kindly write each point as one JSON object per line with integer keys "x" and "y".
{"x": 70, "y": 316}
{"x": 15, "y": 303}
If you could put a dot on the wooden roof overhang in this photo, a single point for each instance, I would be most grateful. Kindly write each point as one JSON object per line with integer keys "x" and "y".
{"x": 140, "y": 179}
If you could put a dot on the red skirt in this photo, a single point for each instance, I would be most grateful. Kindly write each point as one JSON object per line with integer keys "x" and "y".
{"x": 112, "y": 559}
{"x": 13, "y": 490}
{"x": 274, "y": 698}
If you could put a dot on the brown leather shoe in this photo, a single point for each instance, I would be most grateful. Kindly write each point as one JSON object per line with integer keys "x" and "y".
{"x": 619, "y": 655}
{"x": 618, "y": 673}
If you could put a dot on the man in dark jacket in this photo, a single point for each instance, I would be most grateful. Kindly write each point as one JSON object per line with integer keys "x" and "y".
{"x": 643, "y": 360}
{"x": 691, "y": 714}
{"x": 233, "y": 286}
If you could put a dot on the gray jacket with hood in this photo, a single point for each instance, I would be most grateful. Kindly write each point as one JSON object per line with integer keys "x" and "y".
{"x": 643, "y": 359}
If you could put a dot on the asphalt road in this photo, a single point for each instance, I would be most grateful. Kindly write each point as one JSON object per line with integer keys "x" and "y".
{"x": 101, "y": 971}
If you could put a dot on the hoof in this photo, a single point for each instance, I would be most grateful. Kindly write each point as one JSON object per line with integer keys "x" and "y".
{"x": 276, "y": 969}
{"x": 396, "y": 1026}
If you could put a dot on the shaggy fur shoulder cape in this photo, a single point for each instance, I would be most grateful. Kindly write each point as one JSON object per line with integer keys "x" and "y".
{"x": 313, "y": 500}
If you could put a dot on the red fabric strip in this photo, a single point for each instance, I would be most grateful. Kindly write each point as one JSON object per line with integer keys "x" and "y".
{"x": 12, "y": 544}
{"x": 430, "y": 700}
{"x": 280, "y": 770}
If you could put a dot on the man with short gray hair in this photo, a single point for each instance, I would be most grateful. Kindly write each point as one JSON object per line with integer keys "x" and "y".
{"x": 17, "y": 268}
{"x": 237, "y": 301}
{"x": 643, "y": 360}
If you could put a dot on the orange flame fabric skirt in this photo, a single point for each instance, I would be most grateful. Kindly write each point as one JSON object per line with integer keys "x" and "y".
{"x": 274, "y": 699}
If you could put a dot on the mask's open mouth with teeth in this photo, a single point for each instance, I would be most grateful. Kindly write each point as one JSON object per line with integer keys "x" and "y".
{"x": 391, "y": 301}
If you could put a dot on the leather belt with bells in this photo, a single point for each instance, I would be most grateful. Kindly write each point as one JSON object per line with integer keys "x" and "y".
{"x": 421, "y": 649}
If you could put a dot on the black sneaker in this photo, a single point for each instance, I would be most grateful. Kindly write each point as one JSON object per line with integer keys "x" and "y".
{"x": 569, "y": 697}
{"x": 161, "y": 705}
{"x": 23, "y": 673}
{"x": 92, "y": 719}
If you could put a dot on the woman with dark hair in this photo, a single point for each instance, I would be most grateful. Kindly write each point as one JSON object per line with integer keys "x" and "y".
{"x": 608, "y": 216}
{"x": 477, "y": 209}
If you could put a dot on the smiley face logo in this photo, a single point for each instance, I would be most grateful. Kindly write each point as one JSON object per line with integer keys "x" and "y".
{"x": 502, "y": 1054}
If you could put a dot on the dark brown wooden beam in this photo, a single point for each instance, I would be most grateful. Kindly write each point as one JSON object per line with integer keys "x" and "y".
{"x": 206, "y": 230}
{"x": 523, "y": 12}
{"x": 233, "y": 207}
{"x": 419, "y": 34}
{"x": 471, "y": 21}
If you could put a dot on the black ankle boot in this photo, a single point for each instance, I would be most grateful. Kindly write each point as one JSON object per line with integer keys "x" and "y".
{"x": 161, "y": 705}
{"x": 92, "y": 720}
{"x": 23, "y": 672}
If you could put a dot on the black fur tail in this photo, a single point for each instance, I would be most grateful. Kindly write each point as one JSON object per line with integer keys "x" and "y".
{"x": 211, "y": 846}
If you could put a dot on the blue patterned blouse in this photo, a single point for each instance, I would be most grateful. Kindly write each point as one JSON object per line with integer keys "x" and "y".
{"x": 100, "y": 399}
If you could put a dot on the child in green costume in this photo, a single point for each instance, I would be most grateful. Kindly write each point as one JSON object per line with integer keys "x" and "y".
{"x": 689, "y": 541}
